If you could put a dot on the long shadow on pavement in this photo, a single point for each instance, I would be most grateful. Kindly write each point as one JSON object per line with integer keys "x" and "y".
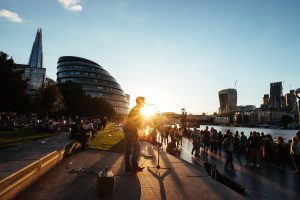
{"x": 60, "y": 184}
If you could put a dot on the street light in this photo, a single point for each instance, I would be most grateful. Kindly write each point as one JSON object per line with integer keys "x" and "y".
{"x": 183, "y": 117}
{"x": 297, "y": 94}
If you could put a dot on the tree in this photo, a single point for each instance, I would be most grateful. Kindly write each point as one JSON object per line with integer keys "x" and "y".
{"x": 98, "y": 107}
{"x": 50, "y": 99}
{"x": 12, "y": 86}
{"x": 74, "y": 97}
{"x": 78, "y": 103}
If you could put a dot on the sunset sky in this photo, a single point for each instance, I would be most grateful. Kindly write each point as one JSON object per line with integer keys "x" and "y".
{"x": 176, "y": 53}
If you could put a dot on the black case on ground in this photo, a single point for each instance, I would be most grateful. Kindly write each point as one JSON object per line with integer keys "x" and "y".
{"x": 105, "y": 182}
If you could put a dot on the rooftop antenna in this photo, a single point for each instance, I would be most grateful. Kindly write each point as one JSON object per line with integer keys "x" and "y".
{"x": 235, "y": 84}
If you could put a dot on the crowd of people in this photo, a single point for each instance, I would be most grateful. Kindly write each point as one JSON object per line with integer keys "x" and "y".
{"x": 257, "y": 147}
{"x": 80, "y": 129}
{"x": 13, "y": 121}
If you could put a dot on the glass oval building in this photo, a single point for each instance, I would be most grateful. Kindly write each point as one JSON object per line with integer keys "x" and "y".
{"x": 95, "y": 81}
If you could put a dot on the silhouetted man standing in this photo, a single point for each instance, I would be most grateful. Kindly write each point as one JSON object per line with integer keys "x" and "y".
{"x": 132, "y": 150}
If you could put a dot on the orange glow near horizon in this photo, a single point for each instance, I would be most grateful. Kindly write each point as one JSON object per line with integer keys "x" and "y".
{"x": 147, "y": 111}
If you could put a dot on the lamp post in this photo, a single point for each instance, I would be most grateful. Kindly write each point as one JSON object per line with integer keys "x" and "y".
{"x": 183, "y": 117}
{"x": 297, "y": 94}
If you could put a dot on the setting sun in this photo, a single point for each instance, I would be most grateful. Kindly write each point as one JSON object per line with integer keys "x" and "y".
{"x": 147, "y": 111}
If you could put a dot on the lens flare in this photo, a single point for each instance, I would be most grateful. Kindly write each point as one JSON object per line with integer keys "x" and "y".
{"x": 147, "y": 111}
{"x": 147, "y": 131}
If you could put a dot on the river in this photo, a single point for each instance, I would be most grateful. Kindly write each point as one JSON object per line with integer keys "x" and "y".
{"x": 286, "y": 134}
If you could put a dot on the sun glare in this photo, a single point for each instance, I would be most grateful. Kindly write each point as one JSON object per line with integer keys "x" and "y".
{"x": 147, "y": 131}
{"x": 147, "y": 111}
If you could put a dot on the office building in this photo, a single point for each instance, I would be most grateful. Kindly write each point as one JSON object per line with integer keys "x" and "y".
{"x": 228, "y": 100}
{"x": 266, "y": 100}
{"x": 36, "y": 56}
{"x": 34, "y": 72}
{"x": 276, "y": 102}
{"x": 290, "y": 100}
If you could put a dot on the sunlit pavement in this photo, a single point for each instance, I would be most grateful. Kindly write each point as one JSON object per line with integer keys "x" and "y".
{"x": 181, "y": 182}
{"x": 74, "y": 178}
{"x": 264, "y": 182}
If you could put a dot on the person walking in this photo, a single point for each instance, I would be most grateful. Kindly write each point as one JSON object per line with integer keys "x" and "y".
{"x": 206, "y": 140}
{"x": 167, "y": 131}
{"x": 243, "y": 144}
{"x": 180, "y": 136}
{"x": 254, "y": 143}
{"x": 228, "y": 146}
{"x": 295, "y": 152}
{"x": 220, "y": 140}
{"x": 132, "y": 147}
{"x": 195, "y": 139}
{"x": 279, "y": 152}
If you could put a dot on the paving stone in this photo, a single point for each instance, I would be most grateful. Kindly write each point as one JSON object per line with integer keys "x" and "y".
{"x": 165, "y": 184}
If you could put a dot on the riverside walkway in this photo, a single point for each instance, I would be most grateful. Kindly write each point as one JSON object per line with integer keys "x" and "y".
{"x": 264, "y": 182}
{"x": 22, "y": 165}
{"x": 74, "y": 176}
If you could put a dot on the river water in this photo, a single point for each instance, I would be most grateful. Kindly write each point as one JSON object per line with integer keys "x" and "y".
{"x": 286, "y": 134}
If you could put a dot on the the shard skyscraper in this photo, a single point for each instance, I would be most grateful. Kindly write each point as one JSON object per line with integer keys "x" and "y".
{"x": 34, "y": 72}
{"x": 36, "y": 56}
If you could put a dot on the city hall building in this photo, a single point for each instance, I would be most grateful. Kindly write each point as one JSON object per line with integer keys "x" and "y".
{"x": 95, "y": 81}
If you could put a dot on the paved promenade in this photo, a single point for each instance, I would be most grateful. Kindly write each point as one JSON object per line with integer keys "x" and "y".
{"x": 74, "y": 178}
{"x": 14, "y": 159}
{"x": 265, "y": 182}
{"x": 22, "y": 165}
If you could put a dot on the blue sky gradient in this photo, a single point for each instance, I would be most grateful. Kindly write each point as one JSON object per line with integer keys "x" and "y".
{"x": 176, "y": 53}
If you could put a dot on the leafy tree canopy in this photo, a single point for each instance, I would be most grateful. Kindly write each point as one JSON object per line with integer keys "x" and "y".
{"x": 74, "y": 97}
{"x": 78, "y": 103}
{"x": 12, "y": 86}
{"x": 50, "y": 99}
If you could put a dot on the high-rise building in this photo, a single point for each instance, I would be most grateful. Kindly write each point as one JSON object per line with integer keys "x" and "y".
{"x": 95, "y": 81}
{"x": 276, "y": 96}
{"x": 266, "y": 100}
{"x": 36, "y": 56}
{"x": 290, "y": 100}
{"x": 34, "y": 72}
{"x": 228, "y": 100}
